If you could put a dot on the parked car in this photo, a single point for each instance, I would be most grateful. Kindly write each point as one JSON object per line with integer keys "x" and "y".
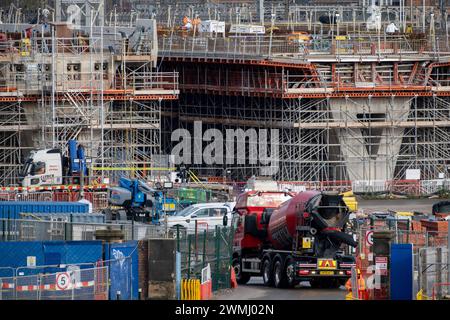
{"x": 207, "y": 215}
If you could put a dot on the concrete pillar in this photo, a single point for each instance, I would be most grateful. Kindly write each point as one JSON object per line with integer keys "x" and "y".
{"x": 370, "y": 151}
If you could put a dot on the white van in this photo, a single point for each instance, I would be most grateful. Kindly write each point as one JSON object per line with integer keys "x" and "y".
{"x": 207, "y": 215}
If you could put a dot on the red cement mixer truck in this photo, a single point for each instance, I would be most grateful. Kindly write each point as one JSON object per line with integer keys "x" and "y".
{"x": 288, "y": 238}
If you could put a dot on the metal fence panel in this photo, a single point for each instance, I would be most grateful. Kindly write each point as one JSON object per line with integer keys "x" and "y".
{"x": 213, "y": 247}
{"x": 433, "y": 271}
{"x": 62, "y": 229}
{"x": 78, "y": 284}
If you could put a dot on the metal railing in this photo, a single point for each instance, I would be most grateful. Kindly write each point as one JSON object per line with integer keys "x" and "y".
{"x": 148, "y": 81}
{"x": 99, "y": 200}
{"x": 260, "y": 47}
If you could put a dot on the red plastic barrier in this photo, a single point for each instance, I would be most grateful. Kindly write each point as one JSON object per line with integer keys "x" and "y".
{"x": 206, "y": 290}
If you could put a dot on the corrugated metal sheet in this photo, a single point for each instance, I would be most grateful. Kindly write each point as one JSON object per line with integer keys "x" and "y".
{"x": 12, "y": 209}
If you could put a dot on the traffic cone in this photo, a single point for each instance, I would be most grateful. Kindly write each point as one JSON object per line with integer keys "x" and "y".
{"x": 233, "y": 279}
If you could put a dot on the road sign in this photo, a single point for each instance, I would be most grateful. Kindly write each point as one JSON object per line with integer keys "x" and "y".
{"x": 63, "y": 281}
{"x": 369, "y": 238}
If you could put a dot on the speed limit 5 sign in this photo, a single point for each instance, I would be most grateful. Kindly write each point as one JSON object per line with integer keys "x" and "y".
{"x": 63, "y": 281}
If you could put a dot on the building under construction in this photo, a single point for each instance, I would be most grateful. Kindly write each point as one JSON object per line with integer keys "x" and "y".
{"x": 349, "y": 100}
{"x": 83, "y": 81}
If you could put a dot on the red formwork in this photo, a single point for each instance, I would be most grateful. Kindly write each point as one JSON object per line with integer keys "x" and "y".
{"x": 65, "y": 196}
{"x": 98, "y": 199}
{"x": 410, "y": 187}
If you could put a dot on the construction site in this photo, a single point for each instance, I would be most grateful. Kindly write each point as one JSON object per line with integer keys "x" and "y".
{"x": 123, "y": 121}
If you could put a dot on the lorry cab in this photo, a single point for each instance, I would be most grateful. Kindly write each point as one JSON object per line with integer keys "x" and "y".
{"x": 42, "y": 167}
{"x": 49, "y": 167}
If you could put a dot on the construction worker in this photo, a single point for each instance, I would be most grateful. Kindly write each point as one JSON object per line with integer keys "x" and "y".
{"x": 362, "y": 292}
{"x": 409, "y": 29}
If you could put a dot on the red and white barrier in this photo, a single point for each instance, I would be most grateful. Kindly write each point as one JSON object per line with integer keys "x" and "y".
{"x": 82, "y": 284}
{"x": 206, "y": 290}
{"x": 6, "y": 285}
{"x": 206, "y": 284}
{"x": 59, "y": 187}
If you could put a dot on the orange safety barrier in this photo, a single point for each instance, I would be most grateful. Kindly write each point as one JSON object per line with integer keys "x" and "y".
{"x": 206, "y": 290}
{"x": 234, "y": 283}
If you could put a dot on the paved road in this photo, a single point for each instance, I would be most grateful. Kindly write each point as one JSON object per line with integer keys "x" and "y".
{"x": 256, "y": 290}
{"x": 420, "y": 205}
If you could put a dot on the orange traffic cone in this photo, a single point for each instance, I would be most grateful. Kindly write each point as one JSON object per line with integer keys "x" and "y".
{"x": 233, "y": 279}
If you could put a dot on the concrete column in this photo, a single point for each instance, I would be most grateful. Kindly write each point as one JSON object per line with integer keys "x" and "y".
{"x": 370, "y": 151}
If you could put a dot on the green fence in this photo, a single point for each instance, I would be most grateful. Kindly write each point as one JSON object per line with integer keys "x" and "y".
{"x": 213, "y": 247}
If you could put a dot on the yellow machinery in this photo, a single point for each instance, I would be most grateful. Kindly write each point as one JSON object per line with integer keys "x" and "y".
{"x": 25, "y": 47}
{"x": 300, "y": 36}
{"x": 350, "y": 200}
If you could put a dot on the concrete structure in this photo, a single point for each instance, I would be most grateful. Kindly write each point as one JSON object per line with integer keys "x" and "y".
{"x": 361, "y": 106}
{"x": 368, "y": 135}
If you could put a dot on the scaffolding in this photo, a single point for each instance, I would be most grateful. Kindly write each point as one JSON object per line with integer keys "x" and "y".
{"x": 84, "y": 84}
{"x": 369, "y": 118}
{"x": 319, "y": 142}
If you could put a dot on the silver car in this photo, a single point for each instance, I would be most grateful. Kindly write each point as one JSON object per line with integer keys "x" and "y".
{"x": 206, "y": 215}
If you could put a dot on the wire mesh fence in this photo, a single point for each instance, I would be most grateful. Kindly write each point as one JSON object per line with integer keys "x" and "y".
{"x": 61, "y": 229}
{"x": 433, "y": 272}
{"x": 205, "y": 247}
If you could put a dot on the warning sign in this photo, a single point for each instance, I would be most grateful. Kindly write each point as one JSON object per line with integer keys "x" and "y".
{"x": 31, "y": 261}
{"x": 63, "y": 281}
{"x": 327, "y": 264}
{"x": 381, "y": 265}
{"x": 369, "y": 237}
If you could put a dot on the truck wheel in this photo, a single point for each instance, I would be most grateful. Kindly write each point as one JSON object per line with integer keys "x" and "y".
{"x": 290, "y": 272}
{"x": 267, "y": 272}
{"x": 241, "y": 277}
{"x": 279, "y": 275}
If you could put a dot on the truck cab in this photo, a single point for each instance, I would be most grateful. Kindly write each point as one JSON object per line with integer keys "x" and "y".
{"x": 49, "y": 167}
{"x": 42, "y": 167}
